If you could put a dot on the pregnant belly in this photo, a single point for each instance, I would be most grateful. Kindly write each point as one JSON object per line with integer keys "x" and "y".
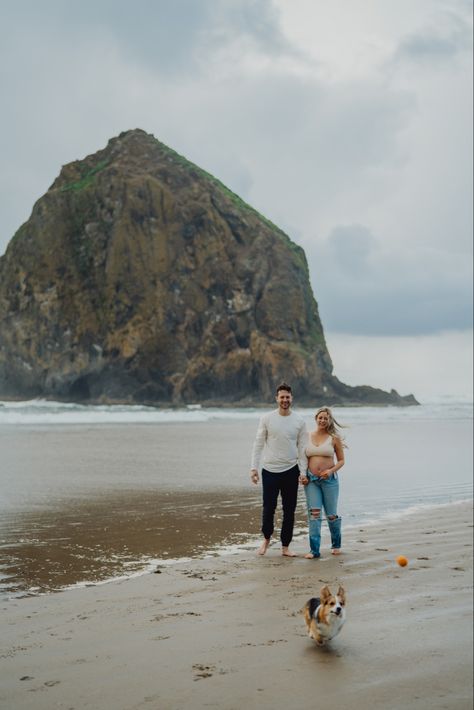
{"x": 316, "y": 464}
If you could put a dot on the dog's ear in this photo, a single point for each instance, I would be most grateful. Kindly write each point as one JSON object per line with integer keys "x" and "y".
{"x": 341, "y": 594}
{"x": 325, "y": 594}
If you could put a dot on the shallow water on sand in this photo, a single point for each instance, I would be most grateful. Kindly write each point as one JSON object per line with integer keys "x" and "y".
{"x": 117, "y": 534}
{"x": 85, "y": 503}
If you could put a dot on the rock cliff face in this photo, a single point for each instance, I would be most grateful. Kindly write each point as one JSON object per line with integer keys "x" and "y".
{"x": 141, "y": 278}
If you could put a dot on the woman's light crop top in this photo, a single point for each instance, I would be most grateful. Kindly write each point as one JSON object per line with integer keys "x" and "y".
{"x": 324, "y": 449}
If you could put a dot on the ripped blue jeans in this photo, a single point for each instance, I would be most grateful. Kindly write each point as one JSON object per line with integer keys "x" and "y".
{"x": 322, "y": 494}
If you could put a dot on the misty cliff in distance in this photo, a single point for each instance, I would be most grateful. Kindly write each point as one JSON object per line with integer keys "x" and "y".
{"x": 141, "y": 278}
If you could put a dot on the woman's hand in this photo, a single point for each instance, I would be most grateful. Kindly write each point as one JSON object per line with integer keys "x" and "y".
{"x": 304, "y": 480}
{"x": 324, "y": 474}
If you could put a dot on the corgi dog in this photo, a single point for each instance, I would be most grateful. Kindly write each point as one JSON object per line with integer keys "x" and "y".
{"x": 325, "y": 616}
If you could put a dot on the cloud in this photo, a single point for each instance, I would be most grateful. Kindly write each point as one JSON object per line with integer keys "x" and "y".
{"x": 438, "y": 43}
{"x": 170, "y": 38}
{"x": 370, "y": 288}
{"x": 152, "y": 32}
{"x": 350, "y": 248}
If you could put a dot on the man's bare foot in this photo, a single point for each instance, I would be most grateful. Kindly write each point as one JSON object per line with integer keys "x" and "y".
{"x": 286, "y": 552}
{"x": 336, "y": 551}
{"x": 310, "y": 556}
{"x": 263, "y": 547}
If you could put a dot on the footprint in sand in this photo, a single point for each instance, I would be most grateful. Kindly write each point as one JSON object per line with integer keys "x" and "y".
{"x": 270, "y": 642}
{"x": 160, "y": 617}
{"x": 202, "y": 671}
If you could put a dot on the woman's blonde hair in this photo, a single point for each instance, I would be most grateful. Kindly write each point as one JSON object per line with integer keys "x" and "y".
{"x": 333, "y": 426}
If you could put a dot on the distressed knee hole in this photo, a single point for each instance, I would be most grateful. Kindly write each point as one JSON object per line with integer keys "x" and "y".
{"x": 315, "y": 513}
{"x": 332, "y": 517}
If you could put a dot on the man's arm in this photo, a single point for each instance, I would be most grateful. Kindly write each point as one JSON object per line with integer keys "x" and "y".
{"x": 258, "y": 445}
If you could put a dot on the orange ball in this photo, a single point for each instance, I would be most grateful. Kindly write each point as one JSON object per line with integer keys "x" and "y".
{"x": 402, "y": 560}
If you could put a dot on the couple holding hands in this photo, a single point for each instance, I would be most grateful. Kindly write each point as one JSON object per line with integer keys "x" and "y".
{"x": 291, "y": 456}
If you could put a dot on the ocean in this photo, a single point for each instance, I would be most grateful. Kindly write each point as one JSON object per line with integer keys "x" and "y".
{"x": 95, "y": 493}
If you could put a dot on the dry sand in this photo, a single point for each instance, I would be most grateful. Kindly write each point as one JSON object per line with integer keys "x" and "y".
{"x": 227, "y": 632}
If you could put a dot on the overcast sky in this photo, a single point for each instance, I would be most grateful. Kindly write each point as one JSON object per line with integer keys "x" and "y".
{"x": 346, "y": 122}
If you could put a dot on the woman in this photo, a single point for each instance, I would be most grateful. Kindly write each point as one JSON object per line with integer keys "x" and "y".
{"x": 325, "y": 457}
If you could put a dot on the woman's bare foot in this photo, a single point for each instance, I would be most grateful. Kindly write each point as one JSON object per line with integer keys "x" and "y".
{"x": 336, "y": 551}
{"x": 310, "y": 556}
{"x": 263, "y": 547}
{"x": 286, "y": 552}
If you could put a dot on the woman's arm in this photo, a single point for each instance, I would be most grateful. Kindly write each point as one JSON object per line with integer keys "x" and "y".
{"x": 301, "y": 443}
{"x": 339, "y": 450}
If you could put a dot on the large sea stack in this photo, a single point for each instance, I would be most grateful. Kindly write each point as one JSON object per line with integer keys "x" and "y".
{"x": 141, "y": 278}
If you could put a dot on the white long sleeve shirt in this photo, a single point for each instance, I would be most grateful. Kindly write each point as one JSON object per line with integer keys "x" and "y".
{"x": 282, "y": 440}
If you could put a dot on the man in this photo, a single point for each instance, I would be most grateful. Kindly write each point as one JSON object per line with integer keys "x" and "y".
{"x": 282, "y": 437}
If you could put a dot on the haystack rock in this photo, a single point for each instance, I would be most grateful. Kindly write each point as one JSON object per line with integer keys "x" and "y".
{"x": 141, "y": 278}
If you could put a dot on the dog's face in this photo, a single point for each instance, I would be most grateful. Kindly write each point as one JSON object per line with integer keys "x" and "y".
{"x": 332, "y": 605}
{"x": 325, "y": 615}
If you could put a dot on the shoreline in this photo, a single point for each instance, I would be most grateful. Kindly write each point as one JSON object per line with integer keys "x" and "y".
{"x": 234, "y": 549}
{"x": 221, "y": 632}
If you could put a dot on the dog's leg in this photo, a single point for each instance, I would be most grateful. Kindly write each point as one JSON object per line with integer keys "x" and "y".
{"x": 307, "y": 616}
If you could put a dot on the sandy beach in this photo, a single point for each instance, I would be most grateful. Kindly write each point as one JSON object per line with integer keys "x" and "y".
{"x": 227, "y": 632}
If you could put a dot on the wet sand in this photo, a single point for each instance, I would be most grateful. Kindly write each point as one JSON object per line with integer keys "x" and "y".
{"x": 115, "y": 535}
{"x": 227, "y": 632}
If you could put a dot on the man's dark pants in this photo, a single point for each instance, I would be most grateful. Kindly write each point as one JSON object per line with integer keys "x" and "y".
{"x": 286, "y": 484}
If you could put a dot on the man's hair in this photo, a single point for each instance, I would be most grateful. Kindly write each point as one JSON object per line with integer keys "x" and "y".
{"x": 284, "y": 386}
